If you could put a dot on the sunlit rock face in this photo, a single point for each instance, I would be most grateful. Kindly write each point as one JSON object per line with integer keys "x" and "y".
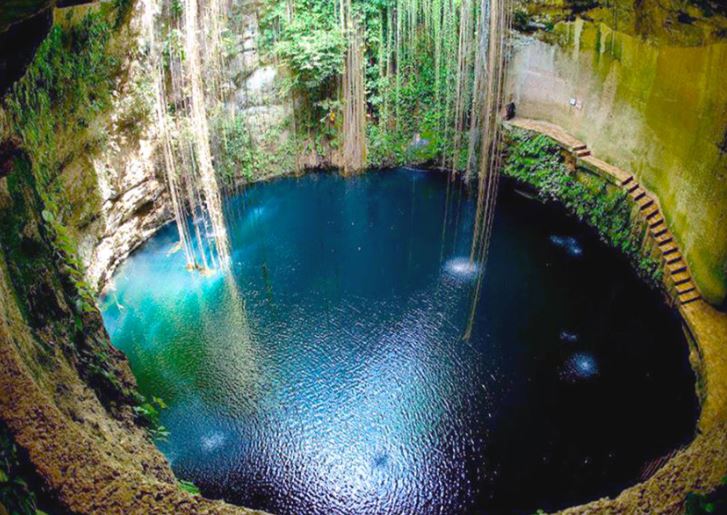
{"x": 653, "y": 106}
{"x": 255, "y": 83}
{"x": 672, "y": 22}
{"x": 257, "y": 99}
{"x": 118, "y": 194}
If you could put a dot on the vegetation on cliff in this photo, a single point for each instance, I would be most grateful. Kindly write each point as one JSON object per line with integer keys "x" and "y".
{"x": 536, "y": 160}
{"x": 66, "y": 87}
{"x": 420, "y": 99}
{"x": 51, "y": 116}
{"x": 18, "y": 482}
{"x": 419, "y": 73}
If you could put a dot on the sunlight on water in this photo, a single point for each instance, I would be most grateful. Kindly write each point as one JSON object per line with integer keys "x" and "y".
{"x": 462, "y": 268}
{"x": 212, "y": 441}
{"x": 568, "y": 337}
{"x": 569, "y": 244}
{"x": 580, "y": 366}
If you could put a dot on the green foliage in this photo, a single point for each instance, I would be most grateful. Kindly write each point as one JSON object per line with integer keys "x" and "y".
{"x": 26, "y": 256}
{"x": 702, "y": 504}
{"x": 312, "y": 47}
{"x": 520, "y": 20}
{"x": 149, "y": 412}
{"x": 123, "y": 11}
{"x": 67, "y": 85}
{"x": 391, "y": 141}
{"x": 313, "y": 54}
{"x": 237, "y": 155}
{"x": 536, "y": 160}
{"x": 387, "y": 148}
{"x": 176, "y": 8}
{"x": 310, "y": 44}
{"x": 230, "y": 43}
{"x": 397, "y": 147}
{"x": 173, "y": 46}
{"x": 135, "y": 107}
{"x": 16, "y": 495}
{"x": 401, "y": 88}
{"x": 188, "y": 486}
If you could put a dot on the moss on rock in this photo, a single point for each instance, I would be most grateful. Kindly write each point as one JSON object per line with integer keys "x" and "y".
{"x": 536, "y": 160}
{"x": 658, "y": 110}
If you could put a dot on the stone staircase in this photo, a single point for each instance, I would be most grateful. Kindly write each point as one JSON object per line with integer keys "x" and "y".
{"x": 676, "y": 271}
{"x": 677, "y": 278}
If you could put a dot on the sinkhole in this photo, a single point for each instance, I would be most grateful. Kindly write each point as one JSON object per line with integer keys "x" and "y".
{"x": 328, "y": 372}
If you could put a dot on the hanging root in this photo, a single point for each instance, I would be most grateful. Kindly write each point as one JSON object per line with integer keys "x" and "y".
{"x": 499, "y": 17}
{"x": 354, "y": 94}
{"x": 185, "y": 136}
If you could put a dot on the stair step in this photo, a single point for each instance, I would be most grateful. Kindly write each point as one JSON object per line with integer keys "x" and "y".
{"x": 668, "y": 248}
{"x": 676, "y": 267}
{"x": 580, "y": 146}
{"x": 685, "y": 287}
{"x": 688, "y": 297}
{"x": 663, "y": 238}
{"x": 655, "y": 220}
{"x": 583, "y": 153}
{"x": 659, "y": 229}
{"x": 645, "y": 202}
{"x": 672, "y": 258}
{"x": 681, "y": 277}
{"x": 627, "y": 180}
{"x": 637, "y": 193}
{"x": 651, "y": 212}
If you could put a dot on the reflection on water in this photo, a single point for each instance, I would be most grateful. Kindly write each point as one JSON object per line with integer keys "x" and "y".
{"x": 568, "y": 337}
{"x": 331, "y": 376}
{"x": 569, "y": 244}
{"x": 461, "y": 268}
{"x": 580, "y": 365}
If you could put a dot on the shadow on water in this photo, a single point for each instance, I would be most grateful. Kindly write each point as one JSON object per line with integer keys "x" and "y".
{"x": 344, "y": 385}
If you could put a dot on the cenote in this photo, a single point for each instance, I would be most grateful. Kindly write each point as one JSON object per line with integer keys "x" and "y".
{"x": 329, "y": 373}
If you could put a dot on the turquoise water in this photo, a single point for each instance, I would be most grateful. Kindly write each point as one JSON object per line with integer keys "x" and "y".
{"x": 329, "y": 375}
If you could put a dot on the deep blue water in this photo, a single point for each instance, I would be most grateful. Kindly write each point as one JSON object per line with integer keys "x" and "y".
{"x": 331, "y": 375}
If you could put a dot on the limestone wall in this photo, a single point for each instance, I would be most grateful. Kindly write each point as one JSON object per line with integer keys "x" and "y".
{"x": 117, "y": 190}
{"x": 656, "y": 109}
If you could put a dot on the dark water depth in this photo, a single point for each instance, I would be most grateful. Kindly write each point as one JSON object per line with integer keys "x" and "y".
{"x": 332, "y": 377}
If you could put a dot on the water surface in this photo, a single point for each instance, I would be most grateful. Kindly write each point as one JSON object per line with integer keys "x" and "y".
{"x": 331, "y": 376}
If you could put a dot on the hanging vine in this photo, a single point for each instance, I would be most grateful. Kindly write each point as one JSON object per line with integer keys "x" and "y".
{"x": 353, "y": 93}
{"x": 181, "y": 59}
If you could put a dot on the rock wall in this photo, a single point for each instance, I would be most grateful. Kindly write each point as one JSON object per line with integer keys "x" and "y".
{"x": 668, "y": 22}
{"x": 132, "y": 200}
{"x": 254, "y": 82}
{"x": 658, "y": 110}
{"x": 67, "y": 397}
{"x": 117, "y": 189}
